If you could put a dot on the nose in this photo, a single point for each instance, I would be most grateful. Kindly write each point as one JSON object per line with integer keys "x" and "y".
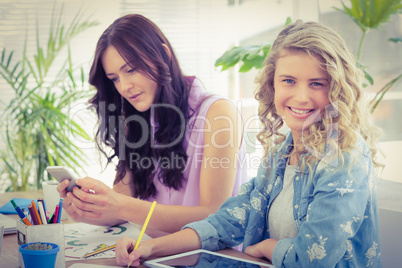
{"x": 125, "y": 84}
{"x": 302, "y": 94}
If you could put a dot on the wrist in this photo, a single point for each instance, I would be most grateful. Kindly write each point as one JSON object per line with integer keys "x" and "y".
{"x": 128, "y": 208}
{"x": 271, "y": 248}
{"x": 121, "y": 207}
{"x": 151, "y": 248}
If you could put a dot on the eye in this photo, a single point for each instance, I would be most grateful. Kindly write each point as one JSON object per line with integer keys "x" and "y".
{"x": 289, "y": 81}
{"x": 132, "y": 70}
{"x": 316, "y": 84}
{"x": 114, "y": 79}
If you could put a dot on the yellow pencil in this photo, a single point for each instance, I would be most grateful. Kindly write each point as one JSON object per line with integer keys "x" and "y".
{"x": 98, "y": 251}
{"x": 144, "y": 227}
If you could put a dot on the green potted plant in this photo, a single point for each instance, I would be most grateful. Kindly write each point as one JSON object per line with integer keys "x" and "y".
{"x": 368, "y": 15}
{"x": 39, "y": 254}
{"x": 37, "y": 129}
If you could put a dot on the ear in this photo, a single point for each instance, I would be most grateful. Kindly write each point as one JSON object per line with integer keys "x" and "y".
{"x": 167, "y": 50}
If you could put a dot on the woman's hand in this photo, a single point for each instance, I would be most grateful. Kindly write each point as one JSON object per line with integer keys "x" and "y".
{"x": 68, "y": 199}
{"x": 95, "y": 199}
{"x": 263, "y": 249}
{"x": 181, "y": 241}
{"x": 125, "y": 253}
{"x": 62, "y": 188}
{"x": 94, "y": 203}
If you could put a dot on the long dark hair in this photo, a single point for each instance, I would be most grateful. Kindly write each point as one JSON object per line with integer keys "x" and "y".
{"x": 139, "y": 42}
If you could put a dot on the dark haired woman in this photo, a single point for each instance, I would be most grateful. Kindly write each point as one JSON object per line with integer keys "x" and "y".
{"x": 175, "y": 143}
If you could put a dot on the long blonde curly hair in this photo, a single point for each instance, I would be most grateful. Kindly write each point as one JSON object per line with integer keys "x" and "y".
{"x": 349, "y": 113}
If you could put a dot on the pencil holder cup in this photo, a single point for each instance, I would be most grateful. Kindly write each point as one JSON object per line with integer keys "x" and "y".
{"x": 52, "y": 197}
{"x": 49, "y": 233}
{"x": 43, "y": 258}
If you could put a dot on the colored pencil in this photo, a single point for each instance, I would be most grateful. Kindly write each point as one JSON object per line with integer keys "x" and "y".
{"x": 144, "y": 227}
{"x": 33, "y": 215}
{"x": 51, "y": 218}
{"x": 98, "y": 251}
{"x": 42, "y": 213}
{"x": 60, "y": 210}
{"x": 44, "y": 207}
{"x": 36, "y": 212}
{"x": 21, "y": 213}
{"x": 56, "y": 214}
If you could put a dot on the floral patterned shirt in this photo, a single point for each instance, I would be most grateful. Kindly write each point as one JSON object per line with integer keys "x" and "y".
{"x": 335, "y": 209}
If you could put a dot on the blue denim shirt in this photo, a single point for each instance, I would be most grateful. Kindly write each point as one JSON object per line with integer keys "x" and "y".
{"x": 335, "y": 209}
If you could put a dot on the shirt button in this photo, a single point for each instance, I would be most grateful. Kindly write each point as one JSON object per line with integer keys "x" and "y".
{"x": 296, "y": 206}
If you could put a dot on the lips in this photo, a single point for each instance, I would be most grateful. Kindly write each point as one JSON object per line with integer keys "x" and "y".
{"x": 135, "y": 96}
{"x": 300, "y": 113}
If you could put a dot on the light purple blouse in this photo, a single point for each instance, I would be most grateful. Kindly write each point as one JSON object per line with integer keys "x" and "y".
{"x": 189, "y": 194}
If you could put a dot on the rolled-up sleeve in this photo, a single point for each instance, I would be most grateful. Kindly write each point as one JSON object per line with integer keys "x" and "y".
{"x": 208, "y": 235}
{"x": 226, "y": 228}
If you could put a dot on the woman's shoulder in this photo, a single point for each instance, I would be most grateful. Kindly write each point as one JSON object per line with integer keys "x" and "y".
{"x": 355, "y": 157}
{"x": 203, "y": 104}
{"x": 357, "y": 151}
{"x": 199, "y": 99}
{"x": 361, "y": 145}
{"x": 222, "y": 107}
{"x": 334, "y": 148}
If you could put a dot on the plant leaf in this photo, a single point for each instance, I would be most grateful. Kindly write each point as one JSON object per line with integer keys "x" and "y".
{"x": 36, "y": 122}
{"x": 395, "y": 39}
{"x": 249, "y": 55}
{"x": 370, "y": 14}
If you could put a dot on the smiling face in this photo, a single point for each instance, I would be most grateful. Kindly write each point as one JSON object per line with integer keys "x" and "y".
{"x": 133, "y": 84}
{"x": 301, "y": 90}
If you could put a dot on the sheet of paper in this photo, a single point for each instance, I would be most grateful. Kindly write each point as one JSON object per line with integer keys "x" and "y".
{"x": 82, "y": 238}
{"x": 85, "y": 265}
{"x": 10, "y": 224}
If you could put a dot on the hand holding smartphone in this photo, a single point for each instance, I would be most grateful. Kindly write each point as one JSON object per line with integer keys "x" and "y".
{"x": 61, "y": 173}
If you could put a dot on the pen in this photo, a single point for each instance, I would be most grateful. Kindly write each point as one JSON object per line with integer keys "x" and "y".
{"x": 56, "y": 214}
{"x": 39, "y": 209}
{"x": 33, "y": 215}
{"x": 36, "y": 212}
{"x": 42, "y": 212}
{"x": 44, "y": 207}
{"x": 18, "y": 209}
{"x": 60, "y": 210}
{"x": 27, "y": 214}
{"x": 51, "y": 218}
{"x": 20, "y": 213}
{"x": 144, "y": 227}
{"x": 98, "y": 251}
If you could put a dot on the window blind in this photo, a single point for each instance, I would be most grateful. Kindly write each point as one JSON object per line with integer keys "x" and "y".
{"x": 196, "y": 30}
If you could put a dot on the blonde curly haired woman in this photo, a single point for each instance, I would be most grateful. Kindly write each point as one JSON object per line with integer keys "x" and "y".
{"x": 313, "y": 202}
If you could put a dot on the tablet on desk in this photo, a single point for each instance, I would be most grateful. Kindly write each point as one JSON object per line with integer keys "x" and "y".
{"x": 203, "y": 258}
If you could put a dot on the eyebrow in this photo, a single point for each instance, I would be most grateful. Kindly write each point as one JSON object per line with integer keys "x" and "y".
{"x": 312, "y": 79}
{"x": 319, "y": 79}
{"x": 121, "y": 68}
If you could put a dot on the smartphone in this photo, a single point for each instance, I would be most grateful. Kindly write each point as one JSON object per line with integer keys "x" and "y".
{"x": 61, "y": 173}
